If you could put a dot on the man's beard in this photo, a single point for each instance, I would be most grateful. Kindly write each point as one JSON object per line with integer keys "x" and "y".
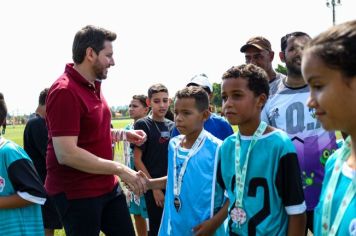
{"x": 99, "y": 71}
{"x": 293, "y": 68}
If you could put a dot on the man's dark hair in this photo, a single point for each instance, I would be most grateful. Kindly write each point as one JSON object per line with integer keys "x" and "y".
{"x": 198, "y": 94}
{"x": 257, "y": 78}
{"x": 156, "y": 88}
{"x": 42, "y": 97}
{"x": 336, "y": 47}
{"x": 3, "y": 113}
{"x": 284, "y": 39}
{"x": 90, "y": 37}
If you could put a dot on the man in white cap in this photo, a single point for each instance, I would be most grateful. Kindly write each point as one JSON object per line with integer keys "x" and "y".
{"x": 215, "y": 124}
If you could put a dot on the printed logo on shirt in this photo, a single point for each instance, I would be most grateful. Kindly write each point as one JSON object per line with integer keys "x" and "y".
{"x": 352, "y": 227}
{"x": 2, "y": 184}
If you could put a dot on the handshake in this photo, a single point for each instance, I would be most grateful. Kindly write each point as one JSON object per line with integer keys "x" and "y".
{"x": 136, "y": 182}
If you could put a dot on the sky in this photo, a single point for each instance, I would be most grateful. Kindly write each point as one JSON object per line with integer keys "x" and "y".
{"x": 159, "y": 41}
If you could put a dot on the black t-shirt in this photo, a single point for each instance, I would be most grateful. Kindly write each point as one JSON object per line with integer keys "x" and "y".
{"x": 155, "y": 149}
{"x": 35, "y": 144}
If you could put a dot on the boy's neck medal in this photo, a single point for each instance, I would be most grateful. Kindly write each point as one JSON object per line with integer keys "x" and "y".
{"x": 238, "y": 214}
{"x": 177, "y": 179}
{"x": 177, "y": 203}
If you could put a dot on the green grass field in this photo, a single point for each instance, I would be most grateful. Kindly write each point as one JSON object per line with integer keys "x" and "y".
{"x": 15, "y": 134}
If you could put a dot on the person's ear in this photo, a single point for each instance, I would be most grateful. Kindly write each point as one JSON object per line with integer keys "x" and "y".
{"x": 90, "y": 54}
{"x": 262, "y": 99}
{"x": 206, "y": 114}
{"x": 148, "y": 102}
{"x": 282, "y": 57}
{"x": 271, "y": 55}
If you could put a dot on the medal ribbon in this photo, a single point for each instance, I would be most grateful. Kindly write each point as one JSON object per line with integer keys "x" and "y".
{"x": 326, "y": 230}
{"x": 177, "y": 180}
{"x": 240, "y": 173}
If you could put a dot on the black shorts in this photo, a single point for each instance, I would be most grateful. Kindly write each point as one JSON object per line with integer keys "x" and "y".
{"x": 88, "y": 216}
{"x": 50, "y": 216}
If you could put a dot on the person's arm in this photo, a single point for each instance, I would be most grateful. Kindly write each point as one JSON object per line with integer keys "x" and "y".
{"x": 209, "y": 227}
{"x": 157, "y": 193}
{"x": 290, "y": 188}
{"x": 13, "y": 201}
{"x": 137, "y": 137}
{"x": 157, "y": 183}
{"x": 25, "y": 181}
{"x": 296, "y": 224}
{"x": 68, "y": 153}
{"x": 138, "y": 162}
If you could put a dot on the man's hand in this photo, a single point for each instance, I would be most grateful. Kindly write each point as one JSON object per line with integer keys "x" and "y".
{"x": 135, "y": 181}
{"x": 137, "y": 137}
{"x": 204, "y": 229}
{"x": 159, "y": 197}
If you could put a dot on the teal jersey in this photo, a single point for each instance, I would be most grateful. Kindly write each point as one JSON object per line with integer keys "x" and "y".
{"x": 18, "y": 176}
{"x": 200, "y": 195}
{"x": 348, "y": 222}
{"x": 273, "y": 188}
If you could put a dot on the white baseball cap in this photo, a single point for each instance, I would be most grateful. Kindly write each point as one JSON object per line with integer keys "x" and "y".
{"x": 203, "y": 81}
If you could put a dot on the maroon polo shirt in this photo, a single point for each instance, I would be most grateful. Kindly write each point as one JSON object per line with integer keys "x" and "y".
{"x": 77, "y": 108}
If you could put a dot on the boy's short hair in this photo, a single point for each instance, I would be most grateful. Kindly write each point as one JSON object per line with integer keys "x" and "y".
{"x": 43, "y": 96}
{"x": 198, "y": 94}
{"x": 3, "y": 110}
{"x": 257, "y": 78}
{"x": 156, "y": 88}
{"x": 141, "y": 98}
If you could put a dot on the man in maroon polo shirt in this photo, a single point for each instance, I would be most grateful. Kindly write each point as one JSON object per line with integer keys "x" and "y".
{"x": 81, "y": 175}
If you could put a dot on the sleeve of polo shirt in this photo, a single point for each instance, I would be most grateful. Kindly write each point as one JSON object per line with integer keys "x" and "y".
{"x": 63, "y": 113}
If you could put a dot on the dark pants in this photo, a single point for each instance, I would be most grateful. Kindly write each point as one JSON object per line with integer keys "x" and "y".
{"x": 88, "y": 216}
{"x": 154, "y": 214}
{"x": 310, "y": 219}
{"x": 50, "y": 216}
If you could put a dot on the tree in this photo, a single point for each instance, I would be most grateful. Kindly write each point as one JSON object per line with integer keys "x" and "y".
{"x": 216, "y": 99}
{"x": 281, "y": 69}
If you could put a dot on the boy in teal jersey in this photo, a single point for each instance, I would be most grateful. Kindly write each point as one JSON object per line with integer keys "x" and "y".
{"x": 194, "y": 202}
{"x": 137, "y": 205}
{"x": 259, "y": 166}
{"x": 328, "y": 66}
{"x": 21, "y": 189}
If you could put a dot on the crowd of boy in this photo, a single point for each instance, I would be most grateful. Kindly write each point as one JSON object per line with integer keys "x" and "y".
{"x": 196, "y": 175}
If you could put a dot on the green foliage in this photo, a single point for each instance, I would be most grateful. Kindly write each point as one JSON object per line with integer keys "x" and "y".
{"x": 281, "y": 69}
{"x": 216, "y": 100}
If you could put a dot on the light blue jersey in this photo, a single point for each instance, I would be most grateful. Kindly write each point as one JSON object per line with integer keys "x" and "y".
{"x": 348, "y": 222}
{"x": 273, "y": 188}
{"x": 200, "y": 195}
